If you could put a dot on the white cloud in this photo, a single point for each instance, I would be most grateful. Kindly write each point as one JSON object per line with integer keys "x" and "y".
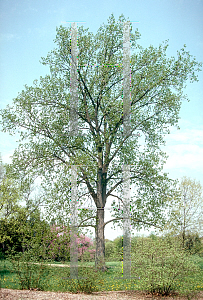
{"x": 8, "y": 36}
{"x": 189, "y": 136}
{"x": 185, "y": 148}
{"x": 7, "y": 146}
{"x": 188, "y": 156}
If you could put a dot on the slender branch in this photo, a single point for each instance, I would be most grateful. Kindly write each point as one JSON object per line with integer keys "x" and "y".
{"x": 121, "y": 181}
{"x": 87, "y": 119}
{"x": 116, "y": 197}
{"x": 87, "y": 151}
{"x": 114, "y": 187}
{"x": 134, "y": 219}
{"x": 87, "y": 220}
{"x": 79, "y": 197}
{"x": 60, "y": 158}
{"x": 86, "y": 87}
{"x": 88, "y": 226}
{"x": 90, "y": 188}
{"x": 123, "y": 141}
{"x": 119, "y": 171}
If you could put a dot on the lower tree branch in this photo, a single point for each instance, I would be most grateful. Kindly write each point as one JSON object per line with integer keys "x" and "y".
{"x": 86, "y": 220}
{"x": 134, "y": 219}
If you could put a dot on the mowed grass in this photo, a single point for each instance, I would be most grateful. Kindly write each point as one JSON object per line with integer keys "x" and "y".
{"x": 58, "y": 278}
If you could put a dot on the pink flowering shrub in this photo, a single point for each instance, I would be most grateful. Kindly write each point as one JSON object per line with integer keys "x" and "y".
{"x": 58, "y": 243}
{"x": 85, "y": 248}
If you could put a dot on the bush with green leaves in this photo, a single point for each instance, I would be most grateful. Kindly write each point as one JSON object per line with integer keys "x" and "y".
{"x": 114, "y": 249}
{"x": 31, "y": 275}
{"x": 161, "y": 265}
{"x": 118, "y": 244}
{"x": 17, "y": 232}
{"x": 110, "y": 251}
{"x": 193, "y": 244}
{"x": 11, "y": 232}
{"x": 89, "y": 280}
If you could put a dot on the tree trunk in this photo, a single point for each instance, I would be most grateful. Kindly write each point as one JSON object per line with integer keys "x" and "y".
{"x": 99, "y": 232}
{"x": 183, "y": 237}
{"x": 184, "y": 226}
{"x": 100, "y": 241}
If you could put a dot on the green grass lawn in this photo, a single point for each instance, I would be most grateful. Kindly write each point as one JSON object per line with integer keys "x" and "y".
{"x": 58, "y": 278}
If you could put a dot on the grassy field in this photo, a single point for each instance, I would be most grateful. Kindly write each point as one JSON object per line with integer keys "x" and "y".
{"x": 57, "y": 278}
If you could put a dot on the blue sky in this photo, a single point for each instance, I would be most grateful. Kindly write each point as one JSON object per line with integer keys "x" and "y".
{"x": 27, "y": 30}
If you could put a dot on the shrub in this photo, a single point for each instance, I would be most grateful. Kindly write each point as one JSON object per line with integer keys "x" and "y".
{"x": 110, "y": 251}
{"x": 84, "y": 251}
{"x": 89, "y": 255}
{"x": 160, "y": 264}
{"x": 118, "y": 242}
{"x": 89, "y": 280}
{"x": 11, "y": 232}
{"x": 57, "y": 245}
{"x": 114, "y": 250}
{"x": 193, "y": 244}
{"x": 30, "y": 274}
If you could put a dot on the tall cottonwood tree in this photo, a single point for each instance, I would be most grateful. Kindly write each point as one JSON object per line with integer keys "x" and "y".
{"x": 41, "y": 113}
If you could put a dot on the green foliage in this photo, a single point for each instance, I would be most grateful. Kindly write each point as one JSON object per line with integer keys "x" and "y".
{"x": 1, "y": 169}
{"x": 17, "y": 223}
{"x": 24, "y": 233}
{"x": 185, "y": 216}
{"x": 10, "y": 193}
{"x": 42, "y": 113}
{"x": 118, "y": 244}
{"x": 30, "y": 274}
{"x": 110, "y": 251}
{"x": 58, "y": 279}
{"x": 114, "y": 249}
{"x": 160, "y": 264}
{"x": 12, "y": 231}
{"x": 88, "y": 255}
{"x": 157, "y": 91}
{"x": 88, "y": 281}
{"x": 153, "y": 236}
{"x": 193, "y": 244}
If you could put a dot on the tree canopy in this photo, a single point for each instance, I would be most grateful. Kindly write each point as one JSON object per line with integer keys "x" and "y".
{"x": 41, "y": 114}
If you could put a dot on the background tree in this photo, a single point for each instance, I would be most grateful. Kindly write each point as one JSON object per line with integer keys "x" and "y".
{"x": 17, "y": 190}
{"x": 1, "y": 169}
{"x": 19, "y": 210}
{"x": 194, "y": 244}
{"x": 11, "y": 232}
{"x": 42, "y": 115}
{"x": 186, "y": 214}
{"x": 10, "y": 193}
{"x": 18, "y": 231}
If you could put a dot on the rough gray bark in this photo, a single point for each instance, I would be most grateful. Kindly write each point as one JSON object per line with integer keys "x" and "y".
{"x": 99, "y": 232}
{"x": 100, "y": 241}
